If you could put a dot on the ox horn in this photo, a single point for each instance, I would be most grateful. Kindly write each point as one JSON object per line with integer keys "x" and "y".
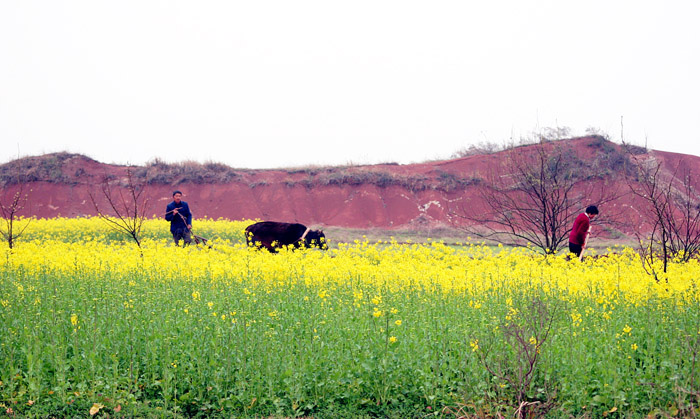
{"x": 303, "y": 236}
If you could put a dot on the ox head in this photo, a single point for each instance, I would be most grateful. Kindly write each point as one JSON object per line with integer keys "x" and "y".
{"x": 316, "y": 238}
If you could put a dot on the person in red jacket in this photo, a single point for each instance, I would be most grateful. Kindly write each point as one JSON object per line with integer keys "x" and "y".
{"x": 581, "y": 230}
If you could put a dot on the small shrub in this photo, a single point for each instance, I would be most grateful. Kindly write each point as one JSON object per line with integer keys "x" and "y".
{"x": 159, "y": 172}
{"x": 449, "y": 182}
{"x": 257, "y": 184}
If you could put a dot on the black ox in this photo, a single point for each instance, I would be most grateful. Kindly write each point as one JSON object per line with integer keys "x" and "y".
{"x": 274, "y": 235}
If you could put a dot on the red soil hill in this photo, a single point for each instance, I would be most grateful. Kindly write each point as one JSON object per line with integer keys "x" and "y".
{"x": 376, "y": 196}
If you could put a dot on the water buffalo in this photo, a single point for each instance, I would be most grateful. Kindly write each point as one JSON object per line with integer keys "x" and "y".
{"x": 273, "y": 235}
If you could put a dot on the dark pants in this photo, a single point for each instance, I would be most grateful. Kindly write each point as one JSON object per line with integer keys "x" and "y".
{"x": 182, "y": 234}
{"x": 575, "y": 249}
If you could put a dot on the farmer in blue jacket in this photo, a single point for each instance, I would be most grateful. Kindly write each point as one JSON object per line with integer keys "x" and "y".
{"x": 180, "y": 217}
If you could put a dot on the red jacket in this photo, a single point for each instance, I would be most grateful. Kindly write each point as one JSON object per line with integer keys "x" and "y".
{"x": 580, "y": 229}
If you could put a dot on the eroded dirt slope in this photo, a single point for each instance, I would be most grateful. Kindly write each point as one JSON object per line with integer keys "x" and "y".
{"x": 378, "y": 196}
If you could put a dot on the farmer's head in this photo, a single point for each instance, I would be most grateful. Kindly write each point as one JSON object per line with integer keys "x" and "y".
{"x": 177, "y": 197}
{"x": 592, "y": 211}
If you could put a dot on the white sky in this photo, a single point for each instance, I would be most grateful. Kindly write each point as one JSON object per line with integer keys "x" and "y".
{"x": 262, "y": 84}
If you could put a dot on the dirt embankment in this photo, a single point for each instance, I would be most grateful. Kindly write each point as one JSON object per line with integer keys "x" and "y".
{"x": 385, "y": 196}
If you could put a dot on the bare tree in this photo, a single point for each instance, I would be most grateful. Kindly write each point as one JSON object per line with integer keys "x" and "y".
{"x": 524, "y": 334}
{"x": 12, "y": 206}
{"x": 533, "y": 197}
{"x": 126, "y": 205}
{"x": 672, "y": 209}
{"x": 684, "y": 222}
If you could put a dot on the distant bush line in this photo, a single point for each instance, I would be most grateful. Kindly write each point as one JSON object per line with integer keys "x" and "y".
{"x": 159, "y": 172}
{"x": 52, "y": 168}
{"x": 46, "y": 168}
{"x": 610, "y": 160}
{"x": 354, "y": 176}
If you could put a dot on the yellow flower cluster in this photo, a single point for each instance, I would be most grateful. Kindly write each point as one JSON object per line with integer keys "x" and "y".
{"x": 90, "y": 229}
{"x": 469, "y": 270}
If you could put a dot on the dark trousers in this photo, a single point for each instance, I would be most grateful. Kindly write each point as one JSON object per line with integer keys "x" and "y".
{"x": 575, "y": 248}
{"x": 182, "y": 234}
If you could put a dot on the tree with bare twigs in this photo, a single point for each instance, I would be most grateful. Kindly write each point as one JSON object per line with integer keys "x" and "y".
{"x": 532, "y": 197}
{"x": 672, "y": 209}
{"x": 126, "y": 204}
{"x": 12, "y": 206}
{"x": 522, "y": 338}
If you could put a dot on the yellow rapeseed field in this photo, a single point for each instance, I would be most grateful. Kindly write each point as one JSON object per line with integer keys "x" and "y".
{"x": 88, "y": 319}
{"x": 467, "y": 269}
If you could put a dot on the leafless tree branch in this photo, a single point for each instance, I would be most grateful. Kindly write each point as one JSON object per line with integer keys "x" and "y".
{"x": 11, "y": 208}
{"x": 533, "y": 197}
{"x": 127, "y": 206}
{"x": 672, "y": 208}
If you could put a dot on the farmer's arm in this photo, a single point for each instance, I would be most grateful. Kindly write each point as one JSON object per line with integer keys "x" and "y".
{"x": 588, "y": 232}
{"x": 169, "y": 213}
{"x": 585, "y": 242}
